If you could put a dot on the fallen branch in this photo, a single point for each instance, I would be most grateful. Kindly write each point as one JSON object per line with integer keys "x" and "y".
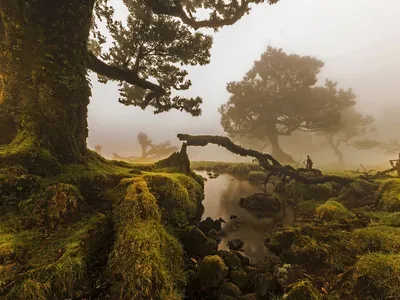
{"x": 266, "y": 161}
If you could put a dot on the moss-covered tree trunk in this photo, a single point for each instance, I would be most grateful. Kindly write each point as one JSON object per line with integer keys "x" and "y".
{"x": 44, "y": 88}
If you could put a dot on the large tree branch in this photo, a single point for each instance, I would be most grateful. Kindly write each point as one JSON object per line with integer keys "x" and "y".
{"x": 266, "y": 161}
{"x": 128, "y": 76}
{"x": 177, "y": 10}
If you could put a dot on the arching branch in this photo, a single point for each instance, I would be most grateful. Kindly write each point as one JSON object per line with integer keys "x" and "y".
{"x": 214, "y": 21}
{"x": 128, "y": 76}
{"x": 266, "y": 161}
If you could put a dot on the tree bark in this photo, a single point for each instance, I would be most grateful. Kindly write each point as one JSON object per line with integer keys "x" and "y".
{"x": 276, "y": 150}
{"x": 43, "y": 74}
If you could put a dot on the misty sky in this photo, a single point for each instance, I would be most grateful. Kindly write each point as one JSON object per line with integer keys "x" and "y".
{"x": 358, "y": 40}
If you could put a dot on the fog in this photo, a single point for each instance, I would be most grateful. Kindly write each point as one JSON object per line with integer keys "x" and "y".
{"x": 358, "y": 41}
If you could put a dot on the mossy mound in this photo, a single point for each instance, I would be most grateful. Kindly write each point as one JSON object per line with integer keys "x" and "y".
{"x": 212, "y": 271}
{"x": 334, "y": 212}
{"x": 306, "y": 208}
{"x": 377, "y": 276}
{"x": 262, "y": 204}
{"x": 36, "y": 265}
{"x": 257, "y": 176}
{"x": 384, "y": 218}
{"x": 389, "y": 195}
{"x": 178, "y": 204}
{"x": 376, "y": 238}
{"x": 358, "y": 193}
{"x": 302, "y": 290}
{"x": 299, "y": 191}
{"x": 146, "y": 262}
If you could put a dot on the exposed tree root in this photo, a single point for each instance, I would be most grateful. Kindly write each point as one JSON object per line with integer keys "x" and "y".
{"x": 266, "y": 161}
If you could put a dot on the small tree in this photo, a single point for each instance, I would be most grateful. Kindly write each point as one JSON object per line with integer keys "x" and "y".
{"x": 275, "y": 98}
{"x": 156, "y": 151}
{"x": 144, "y": 143}
{"x": 352, "y": 125}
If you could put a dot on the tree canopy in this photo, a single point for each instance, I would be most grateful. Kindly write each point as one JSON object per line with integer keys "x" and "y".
{"x": 278, "y": 96}
{"x": 149, "y": 50}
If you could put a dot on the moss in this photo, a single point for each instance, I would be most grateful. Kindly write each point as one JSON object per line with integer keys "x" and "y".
{"x": 389, "y": 195}
{"x": 300, "y": 191}
{"x": 176, "y": 205}
{"x": 377, "y": 238}
{"x": 240, "y": 278}
{"x": 384, "y": 218}
{"x": 212, "y": 271}
{"x": 302, "y": 290}
{"x": 377, "y": 276}
{"x": 332, "y": 211}
{"x": 257, "y": 176}
{"x": 27, "y": 153}
{"x": 44, "y": 265}
{"x": 358, "y": 193}
{"x": 146, "y": 261}
{"x": 306, "y": 208}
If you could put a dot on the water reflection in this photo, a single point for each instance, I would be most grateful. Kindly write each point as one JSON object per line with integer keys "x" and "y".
{"x": 222, "y": 196}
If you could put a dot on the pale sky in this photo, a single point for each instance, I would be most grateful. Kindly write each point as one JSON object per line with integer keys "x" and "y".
{"x": 359, "y": 41}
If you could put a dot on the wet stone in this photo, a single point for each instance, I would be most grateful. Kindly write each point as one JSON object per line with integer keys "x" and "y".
{"x": 235, "y": 244}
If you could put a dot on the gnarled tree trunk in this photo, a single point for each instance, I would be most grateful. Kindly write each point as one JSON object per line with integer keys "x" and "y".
{"x": 335, "y": 148}
{"x": 43, "y": 75}
{"x": 276, "y": 150}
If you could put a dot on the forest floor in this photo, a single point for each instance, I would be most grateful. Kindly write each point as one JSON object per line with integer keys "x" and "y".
{"x": 111, "y": 229}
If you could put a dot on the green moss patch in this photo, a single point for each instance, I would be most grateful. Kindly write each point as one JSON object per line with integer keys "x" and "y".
{"x": 302, "y": 290}
{"x": 300, "y": 191}
{"x": 384, "y": 218}
{"x": 146, "y": 261}
{"x": 358, "y": 193}
{"x": 389, "y": 195}
{"x": 333, "y": 211}
{"x": 377, "y": 276}
{"x": 376, "y": 238}
{"x": 38, "y": 266}
{"x": 178, "y": 196}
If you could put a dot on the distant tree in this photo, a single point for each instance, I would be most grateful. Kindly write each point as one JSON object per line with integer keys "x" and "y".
{"x": 392, "y": 147}
{"x": 276, "y": 98}
{"x": 144, "y": 143}
{"x": 46, "y": 51}
{"x": 348, "y": 131}
{"x": 156, "y": 151}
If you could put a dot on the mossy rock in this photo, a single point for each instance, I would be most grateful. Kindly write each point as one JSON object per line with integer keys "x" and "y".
{"x": 15, "y": 186}
{"x": 389, "y": 195}
{"x": 280, "y": 240}
{"x": 384, "y": 218}
{"x": 252, "y": 296}
{"x": 176, "y": 205}
{"x": 306, "y": 208}
{"x": 302, "y": 290}
{"x": 231, "y": 260}
{"x": 240, "y": 278}
{"x": 333, "y": 212}
{"x": 376, "y": 238}
{"x": 300, "y": 191}
{"x": 146, "y": 261}
{"x": 358, "y": 193}
{"x": 257, "y": 176}
{"x": 288, "y": 274}
{"x": 264, "y": 284}
{"x": 196, "y": 243}
{"x": 231, "y": 289}
{"x": 262, "y": 204}
{"x": 212, "y": 272}
{"x": 377, "y": 276}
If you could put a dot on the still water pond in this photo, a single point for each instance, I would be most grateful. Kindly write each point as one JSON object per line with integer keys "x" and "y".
{"x": 222, "y": 196}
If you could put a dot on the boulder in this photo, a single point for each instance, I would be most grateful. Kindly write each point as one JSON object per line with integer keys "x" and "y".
{"x": 264, "y": 205}
{"x": 235, "y": 244}
{"x": 240, "y": 278}
{"x": 231, "y": 289}
{"x": 230, "y": 259}
{"x": 288, "y": 274}
{"x": 212, "y": 272}
{"x": 196, "y": 243}
{"x": 264, "y": 284}
{"x": 252, "y": 296}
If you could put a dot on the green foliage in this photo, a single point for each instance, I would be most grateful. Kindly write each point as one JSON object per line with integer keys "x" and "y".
{"x": 146, "y": 261}
{"x": 389, "y": 195}
{"x": 378, "y": 276}
{"x": 376, "y": 238}
{"x": 332, "y": 211}
{"x": 384, "y": 218}
{"x": 152, "y": 46}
